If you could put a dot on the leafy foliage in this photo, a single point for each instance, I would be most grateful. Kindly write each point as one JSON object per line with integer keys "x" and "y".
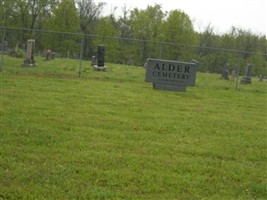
{"x": 17, "y": 53}
{"x": 106, "y": 28}
{"x": 178, "y": 29}
{"x": 151, "y": 33}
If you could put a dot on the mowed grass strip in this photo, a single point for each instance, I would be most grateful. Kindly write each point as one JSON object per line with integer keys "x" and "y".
{"x": 111, "y": 136}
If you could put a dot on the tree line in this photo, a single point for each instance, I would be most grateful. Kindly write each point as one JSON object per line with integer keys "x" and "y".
{"x": 132, "y": 37}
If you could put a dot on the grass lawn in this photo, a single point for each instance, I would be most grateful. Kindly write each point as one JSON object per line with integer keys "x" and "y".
{"x": 111, "y": 136}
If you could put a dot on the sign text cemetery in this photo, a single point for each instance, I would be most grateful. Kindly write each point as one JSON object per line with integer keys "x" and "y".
{"x": 170, "y": 75}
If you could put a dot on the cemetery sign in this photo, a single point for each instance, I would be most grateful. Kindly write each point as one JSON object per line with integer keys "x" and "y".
{"x": 170, "y": 75}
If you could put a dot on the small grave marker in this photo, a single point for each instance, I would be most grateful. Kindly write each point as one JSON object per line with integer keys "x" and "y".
{"x": 50, "y": 55}
{"x": 170, "y": 75}
{"x": 225, "y": 72}
{"x": 261, "y": 78}
{"x": 233, "y": 75}
{"x": 93, "y": 61}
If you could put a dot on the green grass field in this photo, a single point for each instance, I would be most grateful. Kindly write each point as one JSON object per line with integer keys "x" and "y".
{"x": 111, "y": 136}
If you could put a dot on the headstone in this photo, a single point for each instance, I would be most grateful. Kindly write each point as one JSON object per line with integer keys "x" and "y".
{"x": 170, "y": 75}
{"x": 233, "y": 75}
{"x": 100, "y": 59}
{"x": 101, "y": 56}
{"x": 29, "y": 61}
{"x": 48, "y": 54}
{"x": 247, "y": 78}
{"x": 261, "y": 78}
{"x": 93, "y": 61}
{"x": 225, "y": 72}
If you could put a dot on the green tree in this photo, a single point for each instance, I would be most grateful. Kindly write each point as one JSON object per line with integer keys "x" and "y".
{"x": 105, "y": 27}
{"x": 146, "y": 25}
{"x": 125, "y": 32}
{"x": 29, "y": 14}
{"x": 228, "y": 41}
{"x": 178, "y": 29}
{"x": 246, "y": 41}
{"x": 259, "y": 65}
{"x": 89, "y": 13}
{"x": 208, "y": 57}
{"x": 25, "y": 13}
{"x": 64, "y": 19}
{"x": 9, "y": 15}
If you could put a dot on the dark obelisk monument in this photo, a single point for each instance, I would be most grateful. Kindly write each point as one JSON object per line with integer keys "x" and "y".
{"x": 100, "y": 59}
{"x": 101, "y": 56}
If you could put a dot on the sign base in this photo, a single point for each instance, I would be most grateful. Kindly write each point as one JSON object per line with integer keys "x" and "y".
{"x": 179, "y": 88}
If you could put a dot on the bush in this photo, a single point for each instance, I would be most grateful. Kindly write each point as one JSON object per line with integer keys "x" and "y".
{"x": 17, "y": 53}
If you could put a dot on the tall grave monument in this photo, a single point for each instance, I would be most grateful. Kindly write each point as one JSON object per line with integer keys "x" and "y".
{"x": 247, "y": 78}
{"x": 100, "y": 59}
{"x": 29, "y": 61}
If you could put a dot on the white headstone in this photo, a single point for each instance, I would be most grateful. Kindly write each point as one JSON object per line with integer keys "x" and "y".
{"x": 29, "y": 61}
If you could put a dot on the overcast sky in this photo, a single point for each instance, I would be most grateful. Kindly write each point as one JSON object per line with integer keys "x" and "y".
{"x": 221, "y": 14}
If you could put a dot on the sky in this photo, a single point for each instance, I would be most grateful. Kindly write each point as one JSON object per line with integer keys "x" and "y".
{"x": 220, "y": 14}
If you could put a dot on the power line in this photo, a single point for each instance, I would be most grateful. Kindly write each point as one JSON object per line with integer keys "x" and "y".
{"x": 137, "y": 40}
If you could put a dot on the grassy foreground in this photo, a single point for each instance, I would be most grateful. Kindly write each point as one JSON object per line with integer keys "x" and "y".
{"x": 111, "y": 136}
